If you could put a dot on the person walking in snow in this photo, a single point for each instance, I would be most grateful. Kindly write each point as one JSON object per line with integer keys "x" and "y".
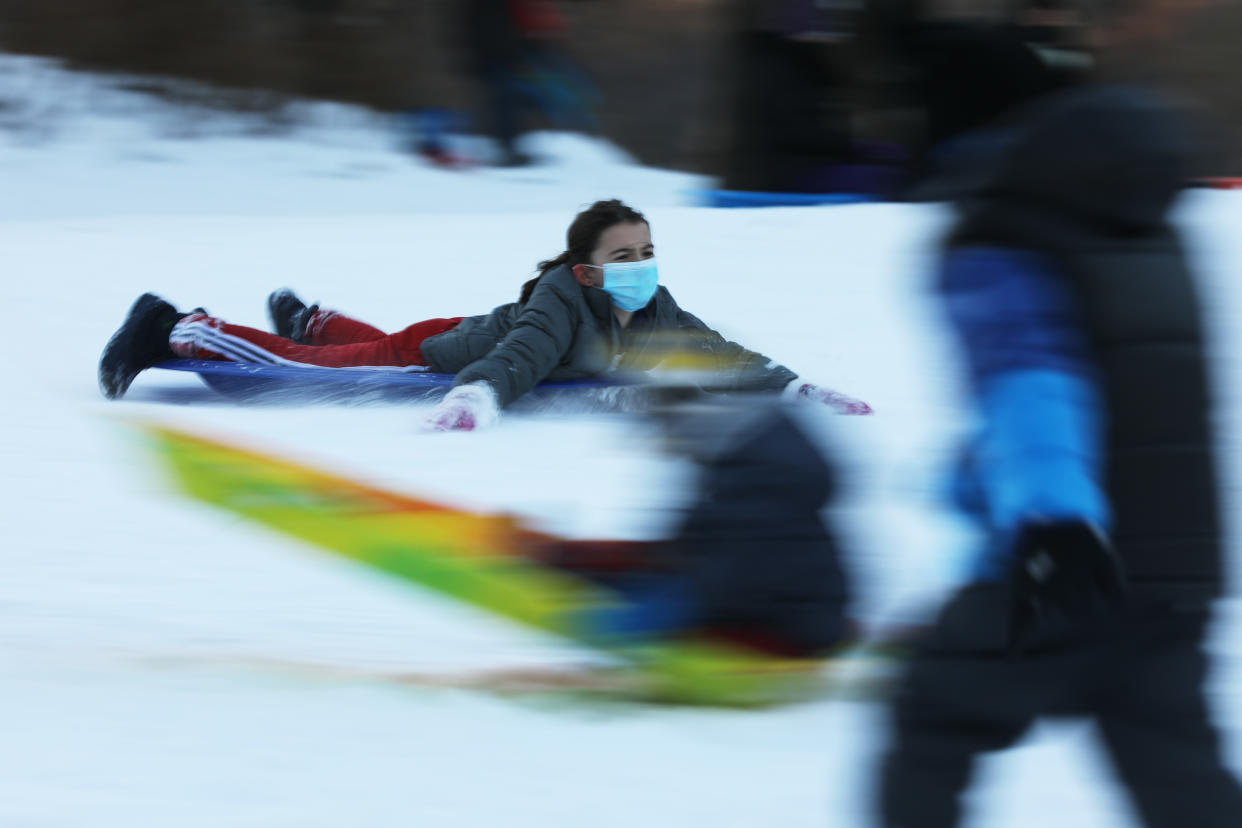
{"x": 596, "y": 309}
{"x": 1093, "y": 475}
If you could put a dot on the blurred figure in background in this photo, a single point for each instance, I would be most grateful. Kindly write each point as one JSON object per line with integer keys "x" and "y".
{"x": 784, "y": 118}
{"x": 962, "y": 73}
{"x": 494, "y": 50}
{"x": 1093, "y": 473}
{"x": 515, "y": 48}
{"x": 790, "y": 107}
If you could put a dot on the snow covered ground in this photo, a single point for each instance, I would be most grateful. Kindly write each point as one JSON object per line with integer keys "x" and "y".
{"x": 134, "y": 623}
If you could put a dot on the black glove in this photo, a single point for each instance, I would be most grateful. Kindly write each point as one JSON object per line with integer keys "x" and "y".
{"x": 1066, "y": 569}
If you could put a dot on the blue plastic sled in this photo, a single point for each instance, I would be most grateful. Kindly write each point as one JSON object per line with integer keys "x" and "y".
{"x": 746, "y": 198}
{"x": 296, "y": 383}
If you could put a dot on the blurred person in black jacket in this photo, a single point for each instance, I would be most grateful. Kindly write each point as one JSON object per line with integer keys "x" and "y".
{"x": 751, "y": 560}
{"x": 1093, "y": 473}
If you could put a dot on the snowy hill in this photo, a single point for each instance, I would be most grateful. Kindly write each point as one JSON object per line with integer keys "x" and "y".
{"x": 134, "y": 624}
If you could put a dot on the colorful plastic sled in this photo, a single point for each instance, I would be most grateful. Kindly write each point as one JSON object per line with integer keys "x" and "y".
{"x": 478, "y": 559}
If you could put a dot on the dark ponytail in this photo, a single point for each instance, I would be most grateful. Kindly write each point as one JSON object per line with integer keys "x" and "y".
{"x": 583, "y": 236}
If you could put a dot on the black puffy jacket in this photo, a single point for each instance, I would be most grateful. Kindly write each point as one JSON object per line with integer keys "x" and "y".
{"x": 760, "y": 559}
{"x": 1088, "y": 175}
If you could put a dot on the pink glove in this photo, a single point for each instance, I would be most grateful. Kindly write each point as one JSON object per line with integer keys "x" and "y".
{"x": 838, "y": 402}
{"x": 464, "y": 408}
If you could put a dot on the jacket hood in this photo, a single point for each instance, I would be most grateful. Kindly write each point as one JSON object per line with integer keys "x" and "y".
{"x": 1110, "y": 156}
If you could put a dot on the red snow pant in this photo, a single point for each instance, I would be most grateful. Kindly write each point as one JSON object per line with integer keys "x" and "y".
{"x": 332, "y": 340}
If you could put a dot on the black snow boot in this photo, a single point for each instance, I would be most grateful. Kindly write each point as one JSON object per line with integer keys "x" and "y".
{"x": 140, "y": 342}
{"x": 289, "y": 314}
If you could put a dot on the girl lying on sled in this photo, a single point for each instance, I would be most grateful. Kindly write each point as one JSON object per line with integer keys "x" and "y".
{"x": 595, "y": 309}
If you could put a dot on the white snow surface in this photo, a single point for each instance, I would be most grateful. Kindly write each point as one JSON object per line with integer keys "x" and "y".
{"x": 134, "y": 622}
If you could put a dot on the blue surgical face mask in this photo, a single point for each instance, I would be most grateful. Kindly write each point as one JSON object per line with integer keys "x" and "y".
{"x": 630, "y": 284}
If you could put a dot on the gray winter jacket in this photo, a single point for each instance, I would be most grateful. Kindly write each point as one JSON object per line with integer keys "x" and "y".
{"x": 567, "y": 331}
